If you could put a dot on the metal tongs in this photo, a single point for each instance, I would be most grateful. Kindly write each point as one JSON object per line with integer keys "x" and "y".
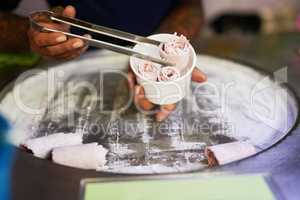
{"x": 51, "y": 16}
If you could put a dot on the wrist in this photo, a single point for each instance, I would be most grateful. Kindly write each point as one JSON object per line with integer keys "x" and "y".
{"x": 13, "y": 29}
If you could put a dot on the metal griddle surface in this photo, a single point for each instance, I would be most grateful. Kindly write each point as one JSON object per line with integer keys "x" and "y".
{"x": 218, "y": 112}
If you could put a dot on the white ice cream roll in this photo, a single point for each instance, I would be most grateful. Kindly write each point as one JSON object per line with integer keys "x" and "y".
{"x": 42, "y": 146}
{"x": 149, "y": 70}
{"x": 168, "y": 74}
{"x": 177, "y": 51}
{"x": 84, "y": 156}
{"x": 226, "y": 153}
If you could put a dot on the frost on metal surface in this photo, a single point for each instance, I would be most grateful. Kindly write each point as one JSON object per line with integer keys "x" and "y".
{"x": 236, "y": 104}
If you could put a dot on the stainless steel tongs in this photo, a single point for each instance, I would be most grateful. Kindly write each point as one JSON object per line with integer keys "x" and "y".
{"x": 51, "y": 16}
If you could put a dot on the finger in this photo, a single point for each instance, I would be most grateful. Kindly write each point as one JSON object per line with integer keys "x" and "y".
{"x": 52, "y": 25}
{"x": 166, "y": 110}
{"x": 70, "y": 45}
{"x": 44, "y": 39}
{"x": 72, "y": 54}
{"x": 69, "y": 11}
{"x": 198, "y": 75}
{"x": 75, "y": 53}
{"x": 137, "y": 89}
{"x": 140, "y": 99}
{"x": 145, "y": 104}
{"x": 33, "y": 33}
{"x": 49, "y": 39}
{"x": 130, "y": 79}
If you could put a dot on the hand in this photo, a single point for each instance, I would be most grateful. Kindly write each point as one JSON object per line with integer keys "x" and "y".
{"x": 141, "y": 101}
{"x": 56, "y": 45}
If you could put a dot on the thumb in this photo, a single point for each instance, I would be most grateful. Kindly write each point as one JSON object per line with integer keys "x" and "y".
{"x": 69, "y": 11}
{"x": 198, "y": 76}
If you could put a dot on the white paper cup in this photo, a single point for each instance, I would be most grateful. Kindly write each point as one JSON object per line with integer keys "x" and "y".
{"x": 163, "y": 93}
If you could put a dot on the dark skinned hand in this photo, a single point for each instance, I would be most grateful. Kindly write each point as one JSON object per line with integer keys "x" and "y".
{"x": 141, "y": 101}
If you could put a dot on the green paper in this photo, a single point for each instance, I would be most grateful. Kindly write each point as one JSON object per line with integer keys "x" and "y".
{"x": 223, "y": 188}
{"x": 17, "y": 60}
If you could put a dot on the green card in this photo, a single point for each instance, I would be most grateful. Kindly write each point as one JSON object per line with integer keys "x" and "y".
{"x": 223, "y": 188}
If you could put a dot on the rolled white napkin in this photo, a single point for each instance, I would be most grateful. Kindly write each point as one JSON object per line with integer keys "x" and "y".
{"x": 84, "y": 156}
{"x": 229, "y": 152}
{"x": 42, "y": 146}
{"x": 176, "y": 51}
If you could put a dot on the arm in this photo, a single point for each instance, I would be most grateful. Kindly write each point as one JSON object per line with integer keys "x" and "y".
{"x": 16, "y": 35}
{"x": 13, "y": 28}
{"x": 187, "y": 19}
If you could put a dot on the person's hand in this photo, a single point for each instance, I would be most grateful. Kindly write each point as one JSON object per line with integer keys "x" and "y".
{"x": 56, "y": 45}
{"x": 142, "y": 102}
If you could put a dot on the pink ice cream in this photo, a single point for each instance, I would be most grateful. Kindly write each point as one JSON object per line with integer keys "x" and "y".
{"x": 149, "y": 70}
{"x": 168, "y": 74}
{"x": 176, "y": 51}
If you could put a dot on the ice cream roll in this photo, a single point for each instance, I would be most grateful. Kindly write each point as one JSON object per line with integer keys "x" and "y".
{"x": 168, "y": 74}
{"x": 176, "y": 51}
{"x": 42, "y": 146}
{"x": 226, "y": 153}
{"x": 149, "y": 70}
{"x": 84, "y": 156}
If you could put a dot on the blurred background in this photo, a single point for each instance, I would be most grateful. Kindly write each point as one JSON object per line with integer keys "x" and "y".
{"x": 258, "y": 16}
{"x": 271, "y": 24}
